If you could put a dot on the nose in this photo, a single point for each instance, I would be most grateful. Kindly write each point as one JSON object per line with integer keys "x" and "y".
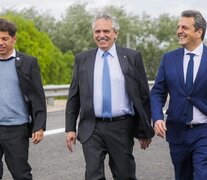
{"x": 1, "y": 41}
{"x": 102, "y": 34}
{"x": 179, "y": 29}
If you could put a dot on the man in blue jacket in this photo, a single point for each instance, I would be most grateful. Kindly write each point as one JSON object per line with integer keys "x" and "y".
{"x": 183, "y": 76}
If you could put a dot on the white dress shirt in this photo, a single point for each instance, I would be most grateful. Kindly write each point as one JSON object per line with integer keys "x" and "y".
{"x": 121, "y": 104}
{"x": 198, "y": 117}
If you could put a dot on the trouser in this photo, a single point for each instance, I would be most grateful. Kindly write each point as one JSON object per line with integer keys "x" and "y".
{"x": 115, "y": 139}
{"x": 14, "y": 144}
{"x": 190, "y": 157}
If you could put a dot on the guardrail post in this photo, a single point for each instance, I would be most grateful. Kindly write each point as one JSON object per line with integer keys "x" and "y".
{"x": 53, "y": 91}
{"x": 50, "y": 101}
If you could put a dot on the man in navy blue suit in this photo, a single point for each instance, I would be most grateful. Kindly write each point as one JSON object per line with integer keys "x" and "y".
{"x": 183, "y": 76}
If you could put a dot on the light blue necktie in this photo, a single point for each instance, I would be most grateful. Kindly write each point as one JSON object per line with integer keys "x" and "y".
{"x": 189, "y": 84}
{"x": 106, "y": 87}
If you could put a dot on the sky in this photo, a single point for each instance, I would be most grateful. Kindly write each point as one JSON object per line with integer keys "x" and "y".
{"x": 154, "y": 8}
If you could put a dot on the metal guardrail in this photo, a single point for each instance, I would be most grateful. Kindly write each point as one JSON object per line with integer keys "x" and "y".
{"x": 53, "y": 91}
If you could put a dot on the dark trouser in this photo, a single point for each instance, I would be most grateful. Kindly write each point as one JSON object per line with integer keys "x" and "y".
{"x": 14, "y": 144}
{"x": 115, "y": 139}
{"x": 190, "y": 158}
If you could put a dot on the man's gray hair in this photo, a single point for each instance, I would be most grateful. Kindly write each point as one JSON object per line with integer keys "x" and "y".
{"x": 200, "y": 22}
{"x": 104, "y": 15}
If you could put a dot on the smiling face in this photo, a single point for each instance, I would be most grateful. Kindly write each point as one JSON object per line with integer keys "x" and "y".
{"x": 189, "y": 38}
{"x": 104, "y": 35}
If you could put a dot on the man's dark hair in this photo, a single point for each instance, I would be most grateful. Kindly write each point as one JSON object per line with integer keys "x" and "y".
{"x": 200, "y": 22}
{"x": 6, "y": 26}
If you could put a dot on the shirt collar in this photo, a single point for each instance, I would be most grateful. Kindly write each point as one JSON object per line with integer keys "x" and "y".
{"x": 13, "y": 55}
{"x": 112, "y": 51}
{"x": 197, "y": 51}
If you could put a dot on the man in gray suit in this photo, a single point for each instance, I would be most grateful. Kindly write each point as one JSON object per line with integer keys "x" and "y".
{"x": 109, "y": 90}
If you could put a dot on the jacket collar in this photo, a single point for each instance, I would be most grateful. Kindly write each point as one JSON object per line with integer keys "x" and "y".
{"x": 201, "y": 71}
{"x": 18, "y": 59}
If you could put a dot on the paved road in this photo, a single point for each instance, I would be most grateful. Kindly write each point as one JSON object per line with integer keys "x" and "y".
{"x": 52, "y": 161}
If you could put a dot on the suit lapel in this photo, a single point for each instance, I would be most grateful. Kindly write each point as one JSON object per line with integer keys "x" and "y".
{"x": 202, "y": 67}
{"x": 18, "y": 60}
{"x": 90, "y": 68}
{"x": 179, "y": 64}
{"x": 122, "y": 59}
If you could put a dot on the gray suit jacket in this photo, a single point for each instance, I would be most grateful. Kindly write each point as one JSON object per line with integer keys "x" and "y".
{"x": 80, "y": 98}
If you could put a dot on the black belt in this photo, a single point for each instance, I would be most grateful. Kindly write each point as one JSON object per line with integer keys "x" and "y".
{"x": 118, "y": 118}
{"x": 191, "y": 126}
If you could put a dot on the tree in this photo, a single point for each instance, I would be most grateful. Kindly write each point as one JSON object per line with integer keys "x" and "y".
{"x": 52, "y": 62}
{"x": 43, "y": 22}
{"x": 74, "y": 31}
{"x": 155, "y": 37}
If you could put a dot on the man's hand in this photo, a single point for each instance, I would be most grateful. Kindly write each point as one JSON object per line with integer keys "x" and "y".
{"x": 160, "y": 128}
{"x": 144, "y": 143}
{"x": 71, "y": 140}
{"x": 37, "y": 136}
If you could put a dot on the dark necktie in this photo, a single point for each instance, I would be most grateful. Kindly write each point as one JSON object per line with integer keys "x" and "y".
{"x": 189, "y": 74}
{"x": 189, "y": 84}
{"x": 106, "y": 88}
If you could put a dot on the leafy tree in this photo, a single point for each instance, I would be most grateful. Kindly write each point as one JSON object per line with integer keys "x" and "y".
{"x": 43, "y": 22}
{"x": 74, "y": 31}
{"x": 31, "y": 41}
{"x": 155, "y": 37}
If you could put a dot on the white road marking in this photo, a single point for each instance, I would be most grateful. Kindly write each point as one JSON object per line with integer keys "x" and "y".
{"x": 54, "y": 131}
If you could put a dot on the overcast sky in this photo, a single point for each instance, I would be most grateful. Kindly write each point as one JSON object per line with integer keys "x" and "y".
{"x": 57, "y": 8}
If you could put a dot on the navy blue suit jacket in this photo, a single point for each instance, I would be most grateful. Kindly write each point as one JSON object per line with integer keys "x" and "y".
{"x": 170, "y": 80}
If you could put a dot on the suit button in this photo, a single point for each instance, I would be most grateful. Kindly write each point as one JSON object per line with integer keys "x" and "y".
{"x": 188, "y": 97}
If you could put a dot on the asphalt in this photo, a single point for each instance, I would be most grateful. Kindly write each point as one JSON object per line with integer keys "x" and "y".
{"x": 59, "y": 105}
{"x": 51, "y": 160}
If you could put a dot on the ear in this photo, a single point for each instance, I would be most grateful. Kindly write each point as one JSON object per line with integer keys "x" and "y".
{"x": 14, "y": 39}
{"x": 199, "y": 32}
{"x": 115, "y": 38}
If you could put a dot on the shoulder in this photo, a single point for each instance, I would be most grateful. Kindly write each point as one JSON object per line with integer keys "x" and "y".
{"x": 23, "y": 55}
{"x": 87, "y": 53}
{"x": 178, "y": 51}
{"x": 204, "y": 47}
{"x": 128, "y": 51}
{"x": 25, "y": 62}
{"x": 25, "y": 59}
{"x": 131, "y": 54}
